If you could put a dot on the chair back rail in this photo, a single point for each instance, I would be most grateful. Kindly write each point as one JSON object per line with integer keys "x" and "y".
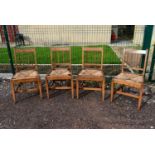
{"x": 60, "y": 56}
{"x": 25, "y": 58}
{"x": 132, "y": 59}
{"x": 92, "y": 57}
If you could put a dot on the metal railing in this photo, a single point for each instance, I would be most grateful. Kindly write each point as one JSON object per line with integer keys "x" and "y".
{"x": 111, "y": 38}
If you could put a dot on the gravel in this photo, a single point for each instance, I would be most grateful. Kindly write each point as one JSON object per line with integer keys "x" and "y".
{"x": 87, "y": 112}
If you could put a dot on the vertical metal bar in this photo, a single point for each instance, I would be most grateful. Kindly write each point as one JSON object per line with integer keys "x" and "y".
{"x": 8, "y": 48}
{"x": 147, "y": 40}
{"x": 152, "y": 65}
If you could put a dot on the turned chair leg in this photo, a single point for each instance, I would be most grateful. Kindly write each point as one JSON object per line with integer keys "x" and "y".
{"x": 47, "y": 89}
{"x": 13, "y": 91}
{"x": 112, "y": 91}
{"x": 77, "y": 89}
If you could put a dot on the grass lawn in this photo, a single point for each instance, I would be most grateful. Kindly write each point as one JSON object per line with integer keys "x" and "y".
{"x": 43, "y": 55}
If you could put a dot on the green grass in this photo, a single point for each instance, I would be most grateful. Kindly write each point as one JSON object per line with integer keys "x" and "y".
{"x": 43, "y": 55}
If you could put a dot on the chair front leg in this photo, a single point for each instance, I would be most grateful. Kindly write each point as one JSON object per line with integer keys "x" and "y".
{"x": 72, "y": 88}
{"x": 112, "y": 91}
{"x": 77, "y": 89}
{"x": 47, "y": 88}
{"x": 40, "y": 88}
{"x": 140, "y": 99}
{"x": 13, "y": 91}
{"x": 103, "y": 90}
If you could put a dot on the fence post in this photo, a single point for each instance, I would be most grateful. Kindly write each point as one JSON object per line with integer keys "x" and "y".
{"x": 152, "y": 65}
{"x": 8, "y": 48}
{"x": 147, "y": 40}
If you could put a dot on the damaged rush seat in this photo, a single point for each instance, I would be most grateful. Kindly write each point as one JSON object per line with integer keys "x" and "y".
{"x": 134, "y": 79}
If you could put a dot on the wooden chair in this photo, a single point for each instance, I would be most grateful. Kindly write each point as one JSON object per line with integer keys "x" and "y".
{"x": 60, "y": 77}
{"x": 132, "y": 75}
{"x": 92, "y": 62}
{"x": 26, "y": 73}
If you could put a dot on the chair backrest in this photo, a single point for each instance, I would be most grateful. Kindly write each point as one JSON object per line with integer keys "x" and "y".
{"x": 132, "y": 59}
{"x": 92, "y": 57}
{"x": 25, "y": 58}
{"x": 61, "y": 57}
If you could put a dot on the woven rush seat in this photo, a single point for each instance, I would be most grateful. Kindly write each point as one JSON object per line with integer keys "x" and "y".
{"x": 130, "y": 77}
{"x": 24, "y": 74}
{"x": 91, "y": 73}
{"x": 60, "y": 72}
{"x": 25, "y": 80}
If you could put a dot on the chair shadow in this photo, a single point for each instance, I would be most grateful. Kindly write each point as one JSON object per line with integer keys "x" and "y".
{"x": 25, "y": 98}
{"x": 84, "y": 93}
{"x": 56, "y": 93}
{"x": 145, "y": 103}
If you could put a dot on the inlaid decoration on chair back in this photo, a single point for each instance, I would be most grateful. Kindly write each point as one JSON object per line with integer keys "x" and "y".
{"x": 25, "y": 58}
{"x": 61, "y": 57}
{"x": 92, "y": 57}
{"x": 132, "y": 59}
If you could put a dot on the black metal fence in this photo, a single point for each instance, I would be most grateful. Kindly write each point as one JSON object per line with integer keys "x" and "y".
{"x": 111, "y": 38}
